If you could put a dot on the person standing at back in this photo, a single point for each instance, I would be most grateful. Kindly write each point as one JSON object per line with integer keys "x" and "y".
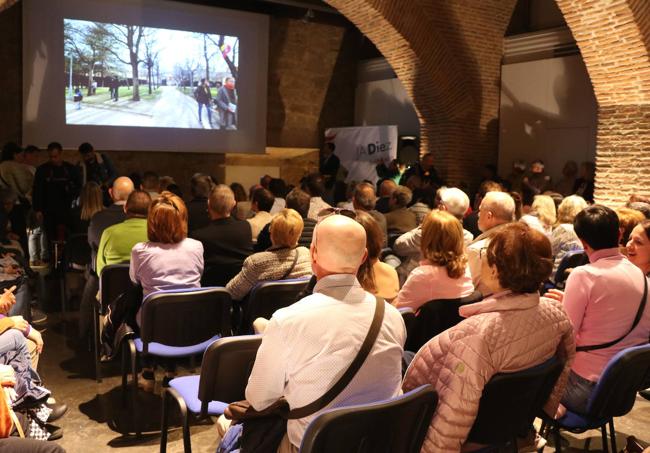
{"x": 56, "y": 185}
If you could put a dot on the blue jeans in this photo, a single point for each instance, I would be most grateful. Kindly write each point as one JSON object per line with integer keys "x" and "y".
{"x": 207, "y": 108}
{"x": 577, "y": 394}
{"x": 37, "y": 244}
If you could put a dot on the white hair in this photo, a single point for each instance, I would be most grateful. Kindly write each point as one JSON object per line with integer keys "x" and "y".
{"x": 455, "y": 200}
{"x": 501, "y": 204}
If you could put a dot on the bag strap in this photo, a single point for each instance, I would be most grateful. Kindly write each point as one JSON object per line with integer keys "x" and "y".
{"x": 637, "y": 319}
{"x": 352, "y": 370}
{"x": 295, "y": 260}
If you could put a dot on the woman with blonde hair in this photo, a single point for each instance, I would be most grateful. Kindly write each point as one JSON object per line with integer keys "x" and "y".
{"x": 375, "y": 276}
{"x": 443, "y": 273}
{"x": 283, "y": 260}
{"x": 90, "y": 203}
{"x": 564, "y": 238}
{"x": 542, "y": 214}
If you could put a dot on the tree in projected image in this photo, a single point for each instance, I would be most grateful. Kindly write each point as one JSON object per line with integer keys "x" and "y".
{"x": 130, "y": 37}
{"x": 151, "y": 60}
{"x": 89, "y": 48}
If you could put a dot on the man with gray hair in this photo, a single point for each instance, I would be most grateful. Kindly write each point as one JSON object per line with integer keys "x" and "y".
{"x": 364, "y": 199}
{"x": 496, "y": 210}
{"x": 400, "y": 219}
{"x": 307, "y": 346}
{"x": 456, "y": 202}
{"x": 227, "y": 242}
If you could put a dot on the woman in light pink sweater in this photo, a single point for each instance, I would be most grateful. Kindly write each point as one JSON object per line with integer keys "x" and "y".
{"x": 443, "y": 273}
{"x": 513, "y": 330}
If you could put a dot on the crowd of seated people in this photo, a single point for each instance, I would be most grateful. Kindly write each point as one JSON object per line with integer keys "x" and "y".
{"x": 407, "y": 244}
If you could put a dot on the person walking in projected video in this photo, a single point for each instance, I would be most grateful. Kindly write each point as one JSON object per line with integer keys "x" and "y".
{"x": 204, "y": 97}
{"x": 227, "y": 104}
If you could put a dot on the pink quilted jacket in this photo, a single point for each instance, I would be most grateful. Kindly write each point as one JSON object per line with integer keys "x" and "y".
{"x": 505, "y": 333}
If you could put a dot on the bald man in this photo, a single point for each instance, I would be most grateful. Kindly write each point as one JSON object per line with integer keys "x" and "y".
{"x": 114, "y": 214}
{"x": 308, "y": 345}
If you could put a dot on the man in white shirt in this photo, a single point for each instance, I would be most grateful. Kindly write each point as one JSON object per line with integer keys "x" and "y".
{"x": 496, "y": 209}
{"x": 307, "y": 346}
{"x": 261, "y": 203}
{"x": 313, "y": 184}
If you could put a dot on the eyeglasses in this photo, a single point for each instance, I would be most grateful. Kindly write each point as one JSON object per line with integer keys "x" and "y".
{"x": 324, "y": 213}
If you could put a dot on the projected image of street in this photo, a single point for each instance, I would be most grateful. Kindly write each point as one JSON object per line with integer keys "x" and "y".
{"x": 130, "y": 75}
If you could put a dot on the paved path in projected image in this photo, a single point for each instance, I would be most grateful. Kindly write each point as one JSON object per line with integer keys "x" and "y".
{"x": 172, "y": 109}
{"x": 175, "y": 109}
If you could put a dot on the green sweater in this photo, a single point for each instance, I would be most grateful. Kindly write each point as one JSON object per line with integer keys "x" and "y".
{"x": 118, "y": 240}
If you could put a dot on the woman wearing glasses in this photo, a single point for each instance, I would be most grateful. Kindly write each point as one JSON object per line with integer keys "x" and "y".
{"x": 443, "y": 273}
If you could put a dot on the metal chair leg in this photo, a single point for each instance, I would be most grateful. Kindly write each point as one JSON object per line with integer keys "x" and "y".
{"x": 98, "y": 371}
{"x": 125, "y": 372}
{"x": 557, "y": 439}
{"x": 134, "y": 371}
{"x": 612, "y": 435}
{"x": 164, "y": 423}
{"x": 603, "y": 433}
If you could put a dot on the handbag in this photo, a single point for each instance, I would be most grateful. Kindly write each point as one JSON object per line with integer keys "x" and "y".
{"x": 263, "y": 430}
{"x": 637, "y": 318}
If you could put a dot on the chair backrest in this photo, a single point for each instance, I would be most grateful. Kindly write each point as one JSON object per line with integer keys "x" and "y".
{"x": 267, "y": 297}
{"x": 399, "y": 424}
{"x": 626, "y": 373}
{"x": 511, "y": 401}
{"x": 226, "y": 366}
{"x": 435, "y": 317}
{"x": 113, "y": 282}
{"x": 185, "y": 317}
{"x": 572, "y": 259}
{"x": 77, "y": 250}
{"x": 219, "y": 274}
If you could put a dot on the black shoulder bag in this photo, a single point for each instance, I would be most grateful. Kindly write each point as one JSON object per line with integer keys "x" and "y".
{"x": 263, "y": 431}
{"x": 637, "y": 319}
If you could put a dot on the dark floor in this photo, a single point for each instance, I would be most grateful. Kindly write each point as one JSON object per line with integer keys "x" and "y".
{"x": 97, "y": 422}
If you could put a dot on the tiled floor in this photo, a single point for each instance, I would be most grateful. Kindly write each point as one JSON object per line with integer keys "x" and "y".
{"x": 97, "y": 421}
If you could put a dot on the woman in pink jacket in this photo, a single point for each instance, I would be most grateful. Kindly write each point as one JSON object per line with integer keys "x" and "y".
{"x": 512, "y": 330}
{"x": 443, "y": 273}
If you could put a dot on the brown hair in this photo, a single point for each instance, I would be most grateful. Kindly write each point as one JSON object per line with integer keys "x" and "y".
{"x": 628, "y": 218}
{"x": 522, "y": 256}
{"x": 286, "y": 228}
{"x": 167, "y": 220}
{"x": 442, "y": 242}
{"x": 91, "y": 200}
{"x": 374, "y": 242}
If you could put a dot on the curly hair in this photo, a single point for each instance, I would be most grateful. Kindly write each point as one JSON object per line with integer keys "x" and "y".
{"x": 522, "y": 256}
{"x": 442, "y": 242}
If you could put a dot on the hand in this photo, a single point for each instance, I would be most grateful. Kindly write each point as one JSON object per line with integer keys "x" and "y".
{"x": 7, "y": 299}
{"x": 36, "y": 337}
{"x": 20, "y": 323}
{"x": 561, "y": 410}
{"x": 11, "y": 269}
{"x": 555, "y": 294}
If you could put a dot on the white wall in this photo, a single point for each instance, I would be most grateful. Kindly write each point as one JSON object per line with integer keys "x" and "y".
{"x": 549, "y": 112}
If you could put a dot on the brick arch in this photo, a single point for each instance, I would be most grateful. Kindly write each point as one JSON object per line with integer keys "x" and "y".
{"x": 448, "y": 56}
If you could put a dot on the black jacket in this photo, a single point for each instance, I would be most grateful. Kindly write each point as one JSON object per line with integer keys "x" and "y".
{"x": 226, "y": 244}
{"x": 110, "y": 216}
{"x": 197, "y": 214}
{"x": 55, "y": 187}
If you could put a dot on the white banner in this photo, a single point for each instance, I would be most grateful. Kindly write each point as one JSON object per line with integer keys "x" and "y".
{"x": 360, "y": 149}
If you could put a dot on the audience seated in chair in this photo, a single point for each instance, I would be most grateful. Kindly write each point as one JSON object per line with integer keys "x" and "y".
{"x": 285, "y": 259}
{"x": 400, "y": 219}
{"x": 151, "y": 184}
{"x": 461, "y": 360}
{"x": 563, "y": 238}
{"x": 443, "y": 273}
{"x": 364, "y": 199}
{"x": 118, "y": 240}
{"x": 407, "y": 246}
{"x": 298, "y": 200}
{"x": 314, "y": 185}
{"x": 226, "y": 240}
{"x": 375, "y": 276}
{"x": 321, "y": 334}
{"x": 602, "y": 299}
{"x": 542, "y": 215}
{"x": 261, "y": 204}
{"x": 496, "y": 210}
{"x": 386, "y": 189}
{"x": 197, "y": 208}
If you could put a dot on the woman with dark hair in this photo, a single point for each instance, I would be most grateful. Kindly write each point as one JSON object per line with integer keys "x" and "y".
{"x": 242, "y": 209}
{"x": 638, "y": 246}
{"x": 375, "y": 276}
{"x": 512, "y": 330}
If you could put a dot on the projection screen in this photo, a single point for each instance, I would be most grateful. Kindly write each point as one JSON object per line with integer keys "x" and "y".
{"x": 144, "y": 75}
